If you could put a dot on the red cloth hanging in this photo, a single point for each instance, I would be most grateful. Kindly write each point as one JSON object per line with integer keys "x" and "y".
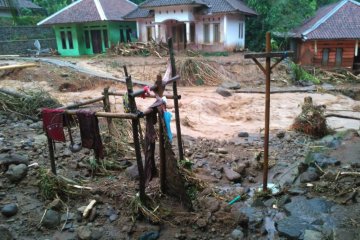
{"x": 53, "y": 123}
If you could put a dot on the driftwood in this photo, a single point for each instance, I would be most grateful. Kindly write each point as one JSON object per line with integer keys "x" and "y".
{"x": 88, "y": 208}
{"x": 341, "y": 116}
{"x": 17, "y": 66}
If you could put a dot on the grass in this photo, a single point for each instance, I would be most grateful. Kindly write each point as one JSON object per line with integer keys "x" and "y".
{"x": 300, "y": 74}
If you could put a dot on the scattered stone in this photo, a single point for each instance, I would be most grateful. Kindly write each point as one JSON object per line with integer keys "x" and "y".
{"x": 296, "y": 191}
{"x": 243, "y": 134}
{"x": 113, "y": 217}
{"x": 15, "y": 173}
{"x": 5, "y": 233}
{"x": 211, "y": 204}
{"x": 313, "y": 235}
{"x": 254, "y": 216}
{"x": 36, "y": 125}
{"x": 201, "y": 223}
{"x": 84, "y": 233}
{"x": 67, "y": 153}
{"x": 132, "y": 172}
{"x": 9, "y": 210}
{"x": 329, "y": 175}
{"x": 55, "y": 205}
{"x": 231, "y": 175}
{"x": 223, "y": 92}
{"x": 292, "y": 227}
{"x": 309, "y": 176}
{"x": 283, "y": 200}
{"x": 240, "y": 168}
{"x": 231, "y": 85}
{"x": 97, "y": 233}
{"x": 237, "y": 234}
{"x": 281, "y": 134}
{"x": 153, "y": 235}
{"x": 302, "y": 167}
{"x": 92, "y": 214}
{"x": 222, "y": 150}
{"x": 346, "y": 233}
{"x": 325, "y": 161}
{"x": 251, "y": 179}
{"x": 51, "y": 219}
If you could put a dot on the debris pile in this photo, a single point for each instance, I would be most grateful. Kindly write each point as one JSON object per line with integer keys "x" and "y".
{"x": 199, "y": 71}
{"x": 312, "y": 120}
{"x": 27, "y": 103}
{"x": 139, "y": 49}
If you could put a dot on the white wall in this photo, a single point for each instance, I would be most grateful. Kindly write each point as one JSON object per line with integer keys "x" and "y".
{"x": 179, "y": 13}
{"x": 143, "y": 24}
{"x": 232, "y": 31}
{"x": 211, "y": 20}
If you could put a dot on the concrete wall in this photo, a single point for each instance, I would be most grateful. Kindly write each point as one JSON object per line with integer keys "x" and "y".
{"x": 233, "y": 38}
{"x": 16, "y": 40}
{"x": 179, "y": 13}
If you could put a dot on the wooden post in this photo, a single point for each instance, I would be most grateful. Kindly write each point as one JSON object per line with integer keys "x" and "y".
{"x": 267, "y": 112}
{"x": 107, "y": 108}
{"x": 162, "y": 156}
{"x": 176, "y": 102}
{"x": 135, "y": 125}
{"x": 51, "y": 154}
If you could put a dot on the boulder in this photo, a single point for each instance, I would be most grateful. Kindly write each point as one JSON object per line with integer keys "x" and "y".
{"x": 223, "y": 92}
{"x": 231, "y": 175}
{"x": 16, "y": 173}
{"x": 313, "y": 235}
{"x": 309, "y": 176}
{"x": 84, "y": 233}
{"x": 51, "y": 219}
{"x": 230, "y": 85}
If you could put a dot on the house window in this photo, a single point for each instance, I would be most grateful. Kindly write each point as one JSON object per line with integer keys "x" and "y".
{"x": 69, "y": 35}
{"x": 216, "y": 32}
{"x": 325, "y": 57}
{"x": 87, "y": 39}
{"x": 128, "y": 34}
{"x": 149, "y": 33}
{"x": 241, "y": 30}
{"x": 106, "y": 39}
{"x": 63, "y": 39}
{"x": 122, "y": 36}
{"x": 206, "y": 33}
{"x": 339, "y": 56}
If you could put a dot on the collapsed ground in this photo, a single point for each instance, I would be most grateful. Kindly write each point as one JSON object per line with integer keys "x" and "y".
{"x": 215, "y": 140}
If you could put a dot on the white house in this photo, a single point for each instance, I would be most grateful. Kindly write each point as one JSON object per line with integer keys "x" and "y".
{"x": 209, "y": 25}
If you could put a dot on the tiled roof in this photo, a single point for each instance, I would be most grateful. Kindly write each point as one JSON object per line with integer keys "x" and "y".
{"x": 91, "y": 11}
{"x": 209, "y": 6}
{"x": 139, "y": 13}
{"x": 218, "y": 6}
{"x": 161, "y": 3}
{"x": 336, "y": 21}
{"x": 21, "y": 4}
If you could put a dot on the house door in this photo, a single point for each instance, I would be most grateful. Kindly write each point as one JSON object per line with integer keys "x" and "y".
{"x": 356, "y": 66}
{"x": 96, "y": 41}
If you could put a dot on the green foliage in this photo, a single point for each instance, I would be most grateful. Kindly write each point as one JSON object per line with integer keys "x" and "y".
{"x": 300, "y": 74}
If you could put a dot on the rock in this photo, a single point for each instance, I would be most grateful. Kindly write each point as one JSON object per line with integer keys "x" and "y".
{"x": 231, "y": 175}
{"x": 153, "y": 235}
{"x": 13, "y": 158}
{"x": 240, "y": 168}
{"x": 55, "y": 205}
{"x": 329, "y": 175}
{"x": 97, "y": 233}
{"x": 67, "y": 153}
{"x": 237, "y": 234}
{"x": 92, "y": 214}
{"x": 296, "y": 191}
{"x": 51, "y": 219}
{"x": 132, "y": 172}
{"x": 223, "y": 92}
{"x": 325, "y": 161}
{"x": 36, "y": 125}
{"x": 346, "y": 233}
{"x": 258, "y": 203}
{"x": 230, "y": 85}
{"x": 309, "y": 176}
{"x": 243, "y": 134}
{"x": 313, "y": 235}
{"x": 281, "y": 134}
{"x": 222, "y": 150}
{"x": 84, "y": 233}
{"x": 302, "y": 167}
{"x": 211, "y": 204}
{"x": 5, "y": 233}
{"x": 201, "y": 223}
{"x": 9, "y": 210}
{"x": 283, "y": 200}
{"x": 254, "y": 216}
{"x": 113, "y": 217}
{"x": 292, "y": 227}
{"x": 16, "y": 172}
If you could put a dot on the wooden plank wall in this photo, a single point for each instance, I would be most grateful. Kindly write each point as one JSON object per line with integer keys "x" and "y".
{"x": 308, "y": 56}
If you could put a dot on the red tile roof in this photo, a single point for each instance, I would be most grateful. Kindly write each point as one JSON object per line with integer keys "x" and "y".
{"x": 336, "y": 21}
{"x": 91, "y": 11}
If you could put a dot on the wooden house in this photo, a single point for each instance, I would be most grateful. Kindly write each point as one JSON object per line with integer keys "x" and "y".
{"x": 331, "y": 38}
{"x": 91, "y": 26}
{"x": 209, "y": 25}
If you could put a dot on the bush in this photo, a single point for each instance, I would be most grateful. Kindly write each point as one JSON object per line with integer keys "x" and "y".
{"x": 300, "y": 74}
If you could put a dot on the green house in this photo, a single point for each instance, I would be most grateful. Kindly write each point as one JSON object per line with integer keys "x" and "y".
{"x": 91, "y": 26}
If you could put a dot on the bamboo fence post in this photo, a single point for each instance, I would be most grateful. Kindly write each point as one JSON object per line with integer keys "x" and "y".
{"x": 107, "y": 108}
{"x": 176, "y": 102}
{"x": 135, "y": 125}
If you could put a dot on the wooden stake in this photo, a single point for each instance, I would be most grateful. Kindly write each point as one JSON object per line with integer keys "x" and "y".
{"x": 267, "y": 112}
{"x": 135, "y": 125}
{"x": 162, "y": 156}
{"x": 176, "y": 102}
{"x": 107, "y": 108}
{"x": 51, "y": 154}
